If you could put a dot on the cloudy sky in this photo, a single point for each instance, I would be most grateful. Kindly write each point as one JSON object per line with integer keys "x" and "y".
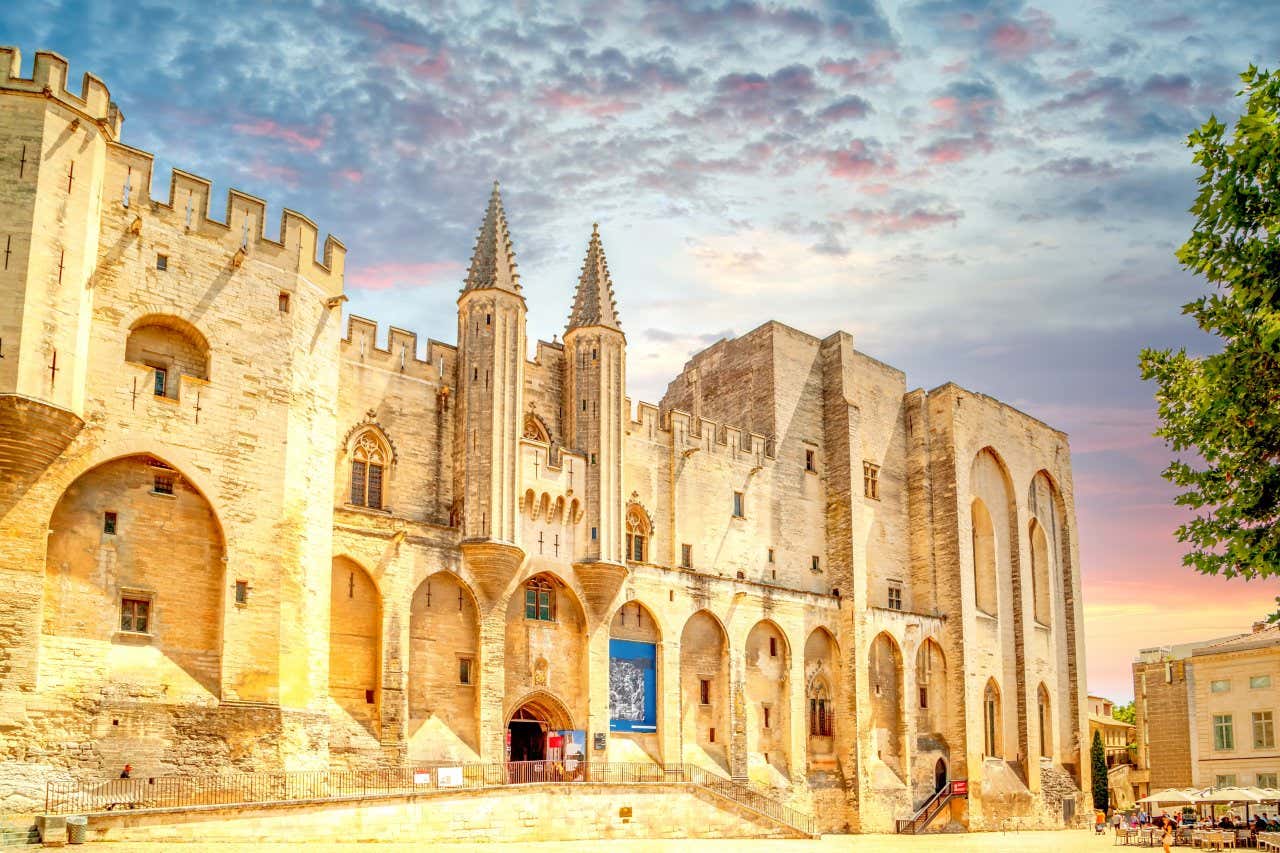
{"x": 983, "y": 192}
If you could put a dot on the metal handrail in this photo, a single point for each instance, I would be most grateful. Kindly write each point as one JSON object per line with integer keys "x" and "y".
{"x": 927, "y": 812}
{"x": 170, "y": 792}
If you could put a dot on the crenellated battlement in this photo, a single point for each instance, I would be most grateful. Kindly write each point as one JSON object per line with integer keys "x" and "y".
{"x": 400, "y": 355}
{"x": 127, "y": 186}
{"x": 684, "y": 431}
{"x": 49, "y": 79}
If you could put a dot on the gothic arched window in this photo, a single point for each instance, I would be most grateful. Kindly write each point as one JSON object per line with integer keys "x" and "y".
{"x": 368, "y": 466}
{"x": 991, "y": 720}
{"x": 533, "y": 429}
{"x": 820, "y": 711}
{"x": 638, "y": 533}
{"x": 540, "y": 600}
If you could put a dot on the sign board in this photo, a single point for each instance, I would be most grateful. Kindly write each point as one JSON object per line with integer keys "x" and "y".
{"x": 449, "y": 777}
{"x": 633, "y": 702}
{"x": 960, "y": 788}
{"x": 599, "y": 741}
{"x": 422, "y": 777}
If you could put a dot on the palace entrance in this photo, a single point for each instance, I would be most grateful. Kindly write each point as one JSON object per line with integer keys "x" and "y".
{"x": 536, "y": 719}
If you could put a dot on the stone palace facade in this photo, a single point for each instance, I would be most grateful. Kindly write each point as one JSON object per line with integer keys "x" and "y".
{"x": 236, "y": 535}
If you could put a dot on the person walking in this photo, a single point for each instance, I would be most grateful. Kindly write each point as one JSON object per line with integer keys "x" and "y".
{"x": 1166, "y": 834}
{"x": 127, "y": 772}
{"x": 1116, "y": 820}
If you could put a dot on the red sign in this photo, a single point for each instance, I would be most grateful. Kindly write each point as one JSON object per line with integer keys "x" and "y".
{"x": 555, "y": 741}
{"x": 960, "y": 788}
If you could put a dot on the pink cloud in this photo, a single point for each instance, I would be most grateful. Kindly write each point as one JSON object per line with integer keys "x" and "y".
{"x": 857, "y": 161}
{"x": 309, "y": 140}
{"x": 904, "y": 219}
{"x": 419, "y": 60}
{"x": 875, "y": 67}
{"x": 956, "y": 148}
{"x": 559, "y": 99}
{"x": 355, "y": 176}
{"x": 958, "y": 67}
{"x": 1015, "y": 40}
{"x": 397, "y": 276}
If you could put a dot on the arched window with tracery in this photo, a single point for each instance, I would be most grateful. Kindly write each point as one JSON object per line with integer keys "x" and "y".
{"x": 820, "y": 716}
{"x": 533, "y": 429}
{"x": 540, "y": 600}
{"x": 369, "y": 458}
{"x": 638, "y": 534}
{"x": 991, "y": 720}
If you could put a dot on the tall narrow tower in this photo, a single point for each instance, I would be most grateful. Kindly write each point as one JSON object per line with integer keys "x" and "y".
{"x": 595, "y": 411}
{"x": 53, "y": 145}
{"x": 491, "y": 352}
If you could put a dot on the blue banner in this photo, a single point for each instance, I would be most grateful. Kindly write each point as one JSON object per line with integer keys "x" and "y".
{"x": 633, "y": 687}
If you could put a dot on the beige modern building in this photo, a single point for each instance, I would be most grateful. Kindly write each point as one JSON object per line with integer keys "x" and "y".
{"x": 1206, "y": 712}
{"x": 237, "y": 534}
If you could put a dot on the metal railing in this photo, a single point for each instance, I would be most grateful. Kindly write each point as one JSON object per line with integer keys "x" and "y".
{"x": 177, "y": 792}
{"x": 932, "y": 807}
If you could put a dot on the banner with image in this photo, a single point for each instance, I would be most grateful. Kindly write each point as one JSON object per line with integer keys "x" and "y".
{"x": 633, "y": 687}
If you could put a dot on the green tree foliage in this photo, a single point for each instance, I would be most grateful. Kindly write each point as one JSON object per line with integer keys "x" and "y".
{"x": 1123, "y": 713}
{"x": 1098, "y": 776}
{"x": 1223, "y": 409}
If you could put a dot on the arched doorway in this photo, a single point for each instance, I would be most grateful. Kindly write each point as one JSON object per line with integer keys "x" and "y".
{"x": 537, "y": 718}
{"x": 939, "y": 775}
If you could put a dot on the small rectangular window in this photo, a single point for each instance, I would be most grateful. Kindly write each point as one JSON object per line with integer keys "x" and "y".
{"x": 368, "y": 697}
{"x": 768, "y": 715}
{"x": 242, "y": 592}
{"x": 770, "y": 555}
{"x": 464, "y": 670}
{"x": 1264, "y": 732}
{"x": 871, "y": 480}
{"x": 135, "y": 615}
{"x": 163, "y": 484}
{"x": 1225, "y": 780}
{"x": 1224, "y": 737}
{"x": 1266, "y": 780}
{"x": 895, "y": 597}
{"x": 815, "y": 563}
{"x": 109, "y": 523}
{"x": 809, "y": 463}
{"x": 739, "y": 505}
{"x": 162, "y": 262}
{"x": 712, "y": 736}
{"x": 161, "y": 381}
{"x": 1222, "y": 685}
{"x": 773, "y": 647}
{"x": 1259, "y": 682}
{"x": 595, "y": 533}
{"x": 704, "y": 691}
{"x": 686, "y": 556}
{"x": 284, "y": 302}
{"x": 924, "y": 697}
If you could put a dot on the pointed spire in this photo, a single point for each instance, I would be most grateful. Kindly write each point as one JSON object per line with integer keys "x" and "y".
{"x": 493, "y": 263}
{"x": 594, "y": 303}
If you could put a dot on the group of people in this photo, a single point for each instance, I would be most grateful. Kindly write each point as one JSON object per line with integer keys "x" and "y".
{"x": 1167, "y": 824}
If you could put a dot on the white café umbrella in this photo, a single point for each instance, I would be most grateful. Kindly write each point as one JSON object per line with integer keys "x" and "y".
{"x": 1227, "y": 796}
{"x": 1173, "y": 796}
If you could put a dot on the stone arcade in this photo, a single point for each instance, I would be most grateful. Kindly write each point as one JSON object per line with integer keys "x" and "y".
{"x": 235, "y": 535}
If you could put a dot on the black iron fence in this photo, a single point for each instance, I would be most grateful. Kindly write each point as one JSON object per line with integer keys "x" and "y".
{"x": 170, "y": 792}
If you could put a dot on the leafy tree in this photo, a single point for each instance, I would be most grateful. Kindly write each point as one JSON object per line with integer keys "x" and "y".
{"x": 1123, "y": 713}
{"x": 1224, "y": 408}
{"x": 1098, "y": 763}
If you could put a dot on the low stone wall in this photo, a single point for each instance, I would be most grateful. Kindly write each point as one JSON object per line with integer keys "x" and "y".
{"x": 542, "y": 813}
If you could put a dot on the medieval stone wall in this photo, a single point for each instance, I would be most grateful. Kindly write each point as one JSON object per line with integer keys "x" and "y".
{"x": 341, "y": 576}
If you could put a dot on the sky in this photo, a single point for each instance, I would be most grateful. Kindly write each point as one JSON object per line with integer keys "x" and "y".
{"x": 989, "y": 193}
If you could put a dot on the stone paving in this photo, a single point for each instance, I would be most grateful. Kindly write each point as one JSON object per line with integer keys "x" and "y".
{"x": 1069, "y": 841}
